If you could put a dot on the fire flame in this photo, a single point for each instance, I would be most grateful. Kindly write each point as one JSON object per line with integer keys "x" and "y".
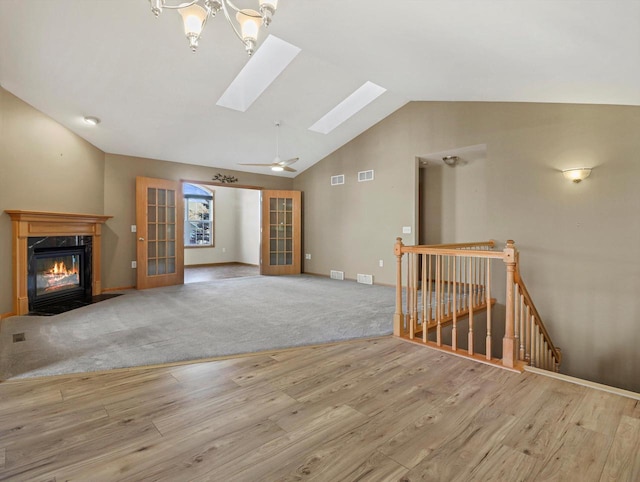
{"x": 59, "y": 268}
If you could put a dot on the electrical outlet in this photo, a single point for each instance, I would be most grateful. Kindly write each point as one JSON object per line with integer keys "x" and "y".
{"x": 134, "y": 264}
{"x": 307, "y": 256}
{"x": 224, "y": 250}
{"x": 381, "y": 263}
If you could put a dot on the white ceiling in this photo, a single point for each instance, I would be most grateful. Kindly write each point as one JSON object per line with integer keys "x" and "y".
{"x": 114, "y": 60}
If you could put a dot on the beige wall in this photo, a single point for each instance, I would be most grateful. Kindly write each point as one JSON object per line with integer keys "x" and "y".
{"x": 43, "y": 167}
{"x": 120, "y": 188}
{"x": 579, "y": 243}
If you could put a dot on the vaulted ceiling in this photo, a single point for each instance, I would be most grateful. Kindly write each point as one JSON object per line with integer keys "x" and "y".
{"x": 112, "y": 59}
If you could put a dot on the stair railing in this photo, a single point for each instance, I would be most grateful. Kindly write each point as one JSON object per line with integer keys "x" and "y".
{"x": 536, "y": 347}
{"x": 447, "y": 282}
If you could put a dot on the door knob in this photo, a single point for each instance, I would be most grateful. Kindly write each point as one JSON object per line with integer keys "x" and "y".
{"x": 141, "y": 239}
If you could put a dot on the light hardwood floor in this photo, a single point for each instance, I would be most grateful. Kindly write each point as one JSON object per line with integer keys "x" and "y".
{"x": 364, "y": 410}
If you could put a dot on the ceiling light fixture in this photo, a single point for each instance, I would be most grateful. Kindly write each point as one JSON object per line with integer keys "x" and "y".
{"x": 576, "y": 174}
{"x": 196, "y": 12}
{"x": 450, "y": 161}
{"x": 92, "y": 121}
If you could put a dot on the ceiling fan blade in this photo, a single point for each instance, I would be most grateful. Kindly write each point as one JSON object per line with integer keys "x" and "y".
{"x": 265, "y": 165}
{"x": 289, "y": 169}
{"x": 289, "y": 161}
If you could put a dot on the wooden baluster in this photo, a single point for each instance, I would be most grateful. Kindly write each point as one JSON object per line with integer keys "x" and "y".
{"x": 534, "y": 359}
{"x": 429, "y": 312}
{"x": 398, "y": 316}
{"x": 539, "y": 345}
{"x": 516, "y": 323}
{"x": 409, "y": 301}
{"x": 454, "y": 329}
{"x": 410, "y": 288}
{"x": 415, "y": 292}
{"x": 546, "y": 355}
{"x": 488, "y": 301}
{"x": 509, "y": 342}
{"x": 439, "y": 300}
{"x": 529, "y": 346}
{"x": 523, "y": 328}
{"x": 449, "y": 285}
{"x": 424, "y": 298}
{"x": 470, "y": 334}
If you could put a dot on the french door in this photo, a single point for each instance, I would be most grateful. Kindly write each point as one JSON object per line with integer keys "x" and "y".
{"x": 160, "y": 232}
{"x": 281, "y": 233}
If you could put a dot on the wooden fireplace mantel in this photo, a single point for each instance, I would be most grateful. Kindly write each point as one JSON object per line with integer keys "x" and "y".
{"x": 38, "y": 223}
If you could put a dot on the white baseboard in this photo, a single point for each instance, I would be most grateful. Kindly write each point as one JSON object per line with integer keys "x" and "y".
{"x": 584, "y": 383}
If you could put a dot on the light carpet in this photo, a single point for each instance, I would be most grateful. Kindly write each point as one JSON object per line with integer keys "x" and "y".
{"x": 195, "y": 321}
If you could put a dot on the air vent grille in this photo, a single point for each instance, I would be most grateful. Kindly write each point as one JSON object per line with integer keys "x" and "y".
{"x": 337, "y": 180}
{"x": 365, "y": 176}
{"x": 339, "y": 275}
{"x": 366, "y": 279}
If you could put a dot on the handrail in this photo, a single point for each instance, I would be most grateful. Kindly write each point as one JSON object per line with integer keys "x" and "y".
{"x": 557, "y": 354}
{"x": 491, "y": 243}
{"x": 448, "y": 282}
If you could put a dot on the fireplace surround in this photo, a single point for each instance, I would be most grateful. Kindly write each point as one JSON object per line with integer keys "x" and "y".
{"x": 69, "y": 237}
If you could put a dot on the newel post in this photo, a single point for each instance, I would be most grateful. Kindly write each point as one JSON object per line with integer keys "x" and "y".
{"x": 398, "y": 316}
{"x": 509, "y": 342}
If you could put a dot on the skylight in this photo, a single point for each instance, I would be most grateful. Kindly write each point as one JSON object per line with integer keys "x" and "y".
{"x": 269, "y": 61}
{"x": 363, "y": 96}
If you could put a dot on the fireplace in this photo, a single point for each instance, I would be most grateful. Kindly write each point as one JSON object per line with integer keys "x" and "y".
{"x": 59, "y": 270}
{"x": 73, "y": 239}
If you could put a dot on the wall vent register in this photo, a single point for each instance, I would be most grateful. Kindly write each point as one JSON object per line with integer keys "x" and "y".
{"x": 337, "y": 180}
{"x": 365, "y": 176}
{"x": 366, "y": 279}
{"x": 339, "y": 275}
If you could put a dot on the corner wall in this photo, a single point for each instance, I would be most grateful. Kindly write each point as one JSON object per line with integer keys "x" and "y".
{"x": 43, "y": 167}
{"x": 579, "y": 243}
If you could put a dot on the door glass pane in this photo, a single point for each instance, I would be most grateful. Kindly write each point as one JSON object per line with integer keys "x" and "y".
{"x": 151, "y": 249}
{"x": 151, "y": 231}
{"x": 161, "y": 231}
{"x": 280, "y": 228}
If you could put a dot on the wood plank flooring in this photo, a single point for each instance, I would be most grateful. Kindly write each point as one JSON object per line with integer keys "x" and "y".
{"x": 370, "y": 410}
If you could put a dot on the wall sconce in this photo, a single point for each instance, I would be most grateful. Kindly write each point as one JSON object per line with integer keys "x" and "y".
{"x": 576, "y": 174}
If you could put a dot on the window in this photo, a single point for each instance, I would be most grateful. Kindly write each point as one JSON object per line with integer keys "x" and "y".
{"x": 198, "y": 216}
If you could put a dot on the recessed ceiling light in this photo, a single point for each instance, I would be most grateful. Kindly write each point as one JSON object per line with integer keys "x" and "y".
{"x": 92, "y": 121}
{"x": 363, "y": 96}
{"x": 269, "y": 61}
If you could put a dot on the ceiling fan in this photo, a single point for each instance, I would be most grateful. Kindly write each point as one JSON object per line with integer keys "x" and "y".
{"x": 278, "y": 164}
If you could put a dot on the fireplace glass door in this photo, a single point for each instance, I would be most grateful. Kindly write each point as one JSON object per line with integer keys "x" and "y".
{"x": 57, "y": 273}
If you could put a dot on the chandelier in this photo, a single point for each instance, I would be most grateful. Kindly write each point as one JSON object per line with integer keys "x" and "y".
{"x": 196, "y": 12}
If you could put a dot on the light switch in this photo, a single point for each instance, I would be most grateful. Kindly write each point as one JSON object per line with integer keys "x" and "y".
{"x": 134, "y": 228}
